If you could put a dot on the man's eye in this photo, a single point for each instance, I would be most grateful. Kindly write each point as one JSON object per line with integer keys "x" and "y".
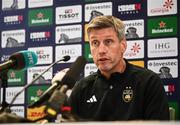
{"x": 108, "y": 42}
{"x": 95, "y": 43}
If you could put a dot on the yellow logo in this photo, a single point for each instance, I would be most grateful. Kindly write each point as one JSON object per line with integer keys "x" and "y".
{"x": 127, "y": 94}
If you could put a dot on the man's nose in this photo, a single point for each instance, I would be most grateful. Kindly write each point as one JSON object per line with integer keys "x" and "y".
{"x": 102, "y": 48}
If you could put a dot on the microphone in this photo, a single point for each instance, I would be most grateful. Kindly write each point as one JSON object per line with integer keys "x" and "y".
{"x": 20, "y": 60}
{"x": 69, "y": 80}
{"x": 65, "y": 58}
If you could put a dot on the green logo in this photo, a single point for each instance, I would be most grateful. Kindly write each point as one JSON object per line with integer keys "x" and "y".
{"x": 16, "y": 77}
{"x": 40, "y": 17}
{"x": 34, "y": 92}
{"x": 87, "y": 52}
{"x": 162, "y": 26}
{"x": 174, "y": 110}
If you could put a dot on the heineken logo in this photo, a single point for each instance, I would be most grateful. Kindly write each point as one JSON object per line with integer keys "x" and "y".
{"x": 40, "y": 17}
{"x": 162, "y": 26}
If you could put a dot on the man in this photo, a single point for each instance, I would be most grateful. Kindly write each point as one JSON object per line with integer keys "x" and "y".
{"x": 118, "y": 90}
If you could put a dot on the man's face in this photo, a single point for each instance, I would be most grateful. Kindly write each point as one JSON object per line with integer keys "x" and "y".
{"x": 106, "y": 49}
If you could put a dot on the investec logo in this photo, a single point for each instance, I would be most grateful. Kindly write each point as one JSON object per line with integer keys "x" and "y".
{"x": 162, "y": 26}
{"x": 90, "y": 69}
{"x": 97, "y": 9}
{"x": 161, "y": 7}
{"x": 134, "y": 28}
{"x": 40, "y": 17}
{"x": 164, "y": 67}
{"x": 19, "y": 110}
{"x": 39, "y": 36}
{"x": 16, "y": 19}
{"x": 129, "y": 8}
{"x": 34, "y": 71}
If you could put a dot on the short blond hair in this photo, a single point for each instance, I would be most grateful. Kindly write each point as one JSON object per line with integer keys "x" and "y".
{"x": 101, "y": 22}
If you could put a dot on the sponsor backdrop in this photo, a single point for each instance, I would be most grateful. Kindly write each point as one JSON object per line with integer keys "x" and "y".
{"x": 56, "y": 28}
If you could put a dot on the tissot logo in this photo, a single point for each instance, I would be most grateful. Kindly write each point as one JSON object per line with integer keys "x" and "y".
{"x": 40, "y": 17}
{"x": 162, "y": 47}
{"x": 68, "y": 14}
{"x": 97, "y": 9}
{"x": 44, "y": 54}
{"x": 135, "y": 49}
{"x": 11, "y": 20}
{"x": 162, "y": 26}
{"x": 167, "y": 68}
{"x": 35, "y": 71}
{"x": 129, "y": 8}
{"x": 161, "y": 7}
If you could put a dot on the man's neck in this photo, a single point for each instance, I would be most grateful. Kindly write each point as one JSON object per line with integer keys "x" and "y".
{"x": 121, "y": 68}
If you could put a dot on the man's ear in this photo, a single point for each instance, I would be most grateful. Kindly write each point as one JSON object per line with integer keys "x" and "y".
{"x": 123, "y": 45}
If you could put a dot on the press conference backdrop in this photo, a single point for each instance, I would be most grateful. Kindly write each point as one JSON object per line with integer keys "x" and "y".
{"x": 56, "y": 28}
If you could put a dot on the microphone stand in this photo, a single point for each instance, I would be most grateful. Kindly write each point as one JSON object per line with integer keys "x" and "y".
{"x": 3, "y": 77}
{"x": 35, "y": 79}
{"x": 4, "y": 84}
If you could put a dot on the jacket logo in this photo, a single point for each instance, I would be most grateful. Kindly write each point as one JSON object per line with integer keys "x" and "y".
{"x": 127, "y": 94}
{"x": 92, "y": 99}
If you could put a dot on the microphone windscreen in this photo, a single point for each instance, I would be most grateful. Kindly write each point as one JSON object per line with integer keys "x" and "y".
{"x": 66, "y": 58}
{"x": 73, "y": 73}
{"x": 59, "y": 76}
{"x": 24, "y": 59}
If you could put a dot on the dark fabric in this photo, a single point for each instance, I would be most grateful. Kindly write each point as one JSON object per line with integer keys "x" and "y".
{"x": 136, "y": 94}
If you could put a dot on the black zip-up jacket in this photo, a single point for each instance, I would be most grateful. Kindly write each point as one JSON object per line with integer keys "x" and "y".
{"x": 136, "y": 94}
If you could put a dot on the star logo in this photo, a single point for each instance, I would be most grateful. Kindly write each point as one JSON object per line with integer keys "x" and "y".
{"x": 162, "y": 24}
{"x": 39, "y": 92}
{"x": 40, "y": 15}
{"x": 12, "y": 74}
